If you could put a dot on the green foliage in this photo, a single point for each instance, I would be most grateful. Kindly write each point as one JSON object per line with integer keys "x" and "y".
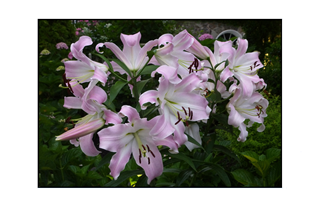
{"x": 272, "y": 72}
{"x": 268, "y": 172}
{"x": 52, "y": 32}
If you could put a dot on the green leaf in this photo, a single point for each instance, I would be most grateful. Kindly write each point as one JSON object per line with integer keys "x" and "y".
{"x": 244, "y": 177}
{"x": 274, "y": 174}
{"x": 227, "y": 152}
{"x": 140, "y": 85}
{"x": 142, "y": 181}
{"x": 114, "y": 90}
{"x": 183, "y": 176}
{"x": 262, "y": 157}
{"x": 124, "y": 175}
{"x": 221, "y": 173}
{"x": 262, "y": 166}
{"x": 272, "y": 154}
{"x": 185, "y": 158}
{"x": 94, "y": 175}
{"x": 105, "y": 160}
{"x": 252, "y": 156}
{"x": 167, "y": 184}
{"x": 123, "y": 66}
{"x": 84, "y": 169}
{"x": 148, "y": 69}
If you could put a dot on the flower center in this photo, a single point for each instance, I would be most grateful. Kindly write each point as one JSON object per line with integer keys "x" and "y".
{"x": 144, "y": 150}
{"x": 259, "y": 108}
{"x": 188, "y": 116}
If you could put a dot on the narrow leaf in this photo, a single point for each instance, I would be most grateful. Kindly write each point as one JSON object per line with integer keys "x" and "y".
{"x": 123, "y": 177}
{"x": 183, "y": 176}
{"x": 185, "y": 158}
{"x": 114, "y": 90}
{"x": 227, "y": 152}
{"x": 123, "y": 66}
{"x": 221, "y": 173}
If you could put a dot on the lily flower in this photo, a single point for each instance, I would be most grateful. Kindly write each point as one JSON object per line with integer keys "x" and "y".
{"x": 90, "y": 100}
{"x": 134, "y": 138}
{"x": 132, "y": 55}
{"x": 177, "y": 103}
{"x": 84, "y": 69}
{"x": 241, "y": 108}
{"x": 197, "y": 49}
{"x": 244, "y": 67}
{"x": 171, "y": 52}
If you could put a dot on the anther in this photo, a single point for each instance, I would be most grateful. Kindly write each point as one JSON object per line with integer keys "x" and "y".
{"x": 152, "y": 153}
{"x": 191, "y": 115}
{"x": 196, "y": 63}
{"x": 143, "y": 147}
{"x": 178, "y": 121}
{"x": 185, "y": 112}
{"x": 139, "y": 156}
{"x": 250, "y": 67}
{"x": 189, "y": 111}
{"x": 148, "y": 160}
{"x": 149, "y": 150}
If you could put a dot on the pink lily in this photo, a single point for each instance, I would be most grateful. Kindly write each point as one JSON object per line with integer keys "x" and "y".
{"x": 178, "y": 103}
{"x": 134, "y": 137}
{"x": 244, "y": 67}
{"x": 171, "y": 52}
{"x": 241, "y": 108}
{"x": 197, "y": 49}
{"x": 132, "y": 55}
{"x": 84, "y": 69}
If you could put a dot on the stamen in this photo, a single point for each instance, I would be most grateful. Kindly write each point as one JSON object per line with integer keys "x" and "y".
{"x": 191, "y": 115}
{"x": 68, "y": 119}
{"x": 189, "y": 111}
{"x": 258, "y": 115}
{"x": 178, "y": 121}
{"x": 66, "y": 81}
{"x": 250, "y": 67}
{"x": 196, "y": 63}
{"x": 184, "y": 110}
{"x": 178, "y": 115}
{"x": 140, "y": 156}
{"x": 254, "y": 64}
{"x": 152, "y": 153}
{"x": 148, "y": 160}
{"x": 143, "y": 147}
{"x": 149, "y": 150}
